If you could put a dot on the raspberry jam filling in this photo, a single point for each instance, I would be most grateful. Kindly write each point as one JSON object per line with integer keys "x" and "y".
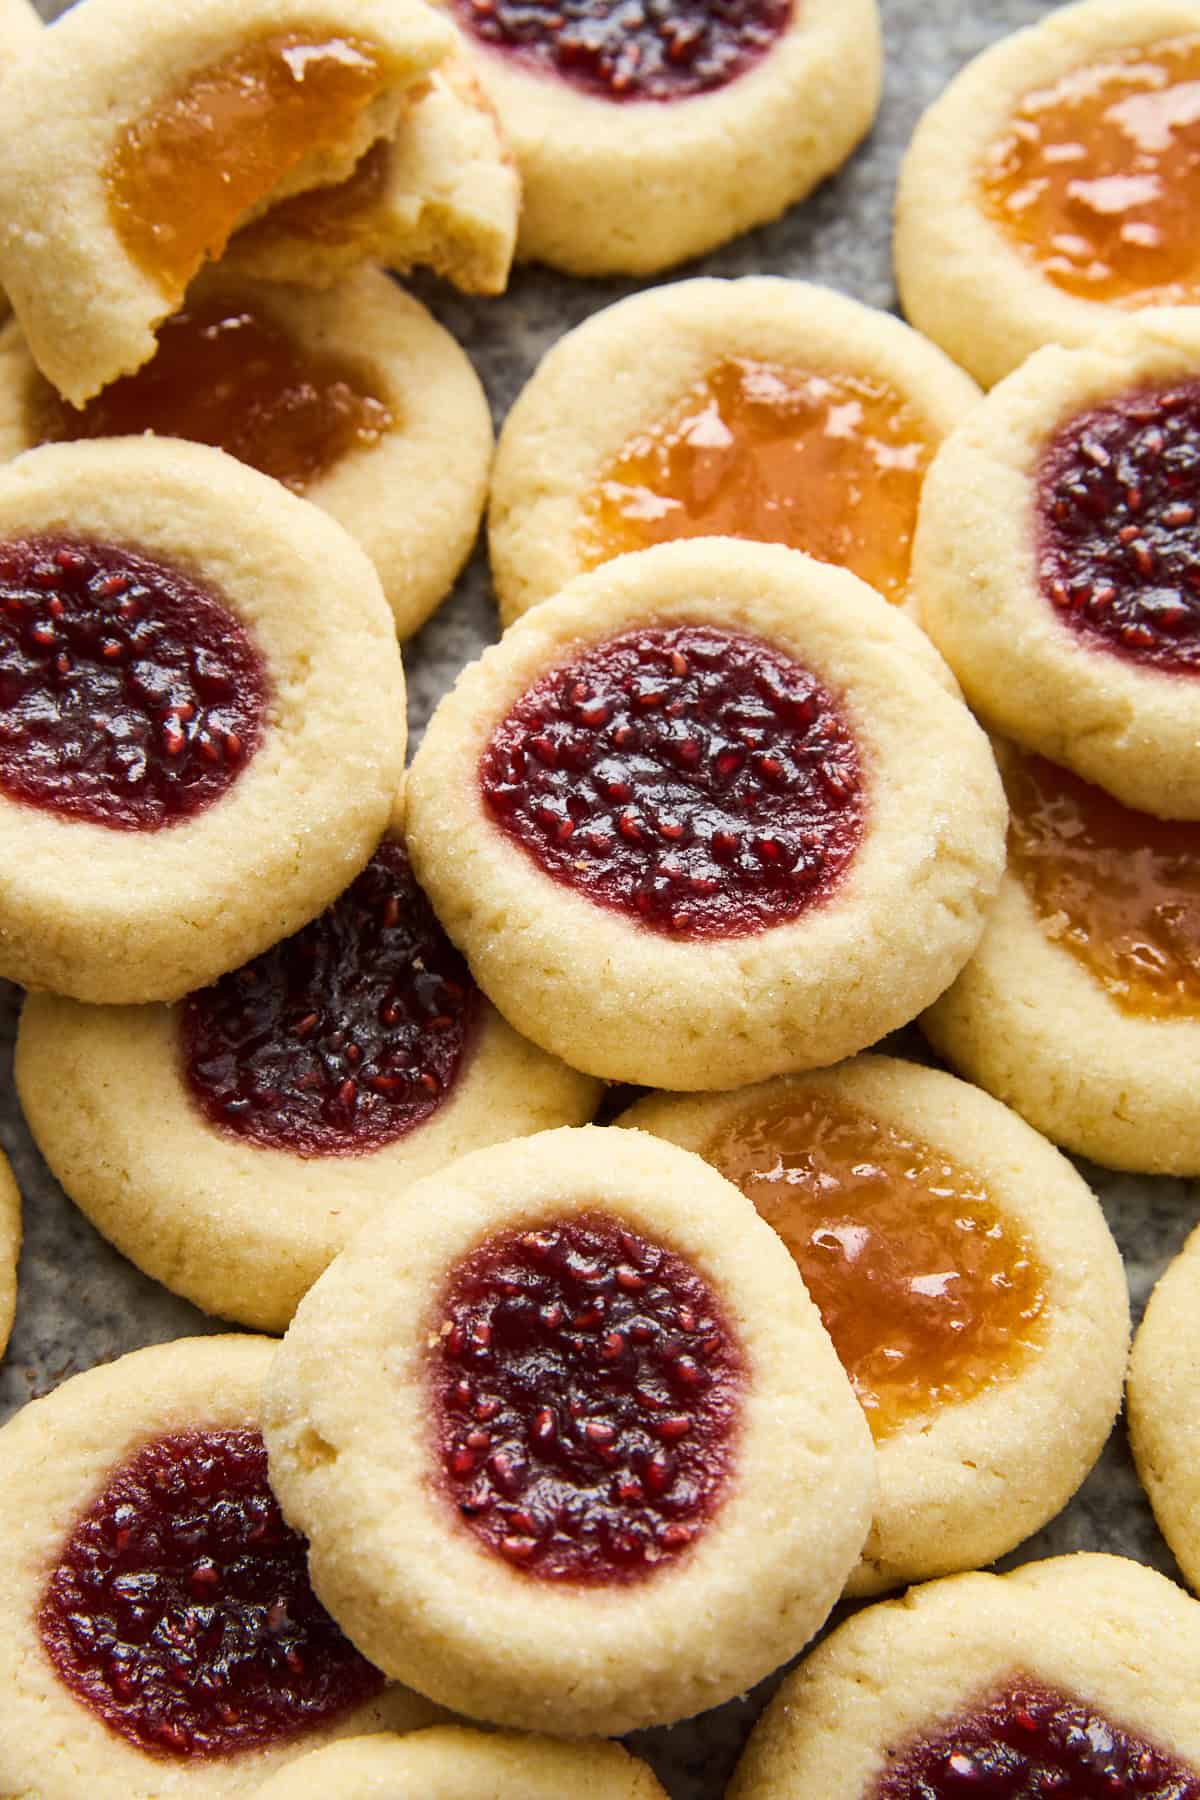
{"x": 830, "y": 464}
{"x": 130, "y": 697}
{"x": 1028, "y": 1740}
{"x": 1118, "y": 889}
{"x": 631, "y": 49}
{"x": 928, "y": 1292}
{"x": 586, "y": 1391}
{"x": 1097, "y": 179}
{"x": 180, "y": 1611}
{"x": 694, "y": 779}
{"x": 226, "y": 373}
{"x": 342, "y": 1038}
{"x": 1118, "y": 541}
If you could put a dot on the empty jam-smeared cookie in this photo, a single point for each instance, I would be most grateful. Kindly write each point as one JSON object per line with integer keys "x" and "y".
{"x": 130, "y": 696}
{"x": 180, "y": 1610}
{"x": 693, "y": 778}
{"x": 343, "y": 1037}
{"x": 587, "y": 1392}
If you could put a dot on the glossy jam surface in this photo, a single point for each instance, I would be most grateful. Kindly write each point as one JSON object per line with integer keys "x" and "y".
{"x": 338, "y": 214}
{"x": 226, "y": 373}
{"x": 1119, "y": 889}
{"x": 1097, "y": 179}
{"x": 631, "y": 49}
{"x": 1029, "y": 1741}
{"x": 1118, "y": 539}
{"x": 130, "y": 697}
{"x": 343, "y": 1037}
{"x": 696, "y": 780}
{"x": 180, "y": 1611}
{"x": 181, "y": 176}
{"x": 928, "y": 1293}
{"x": 587, "y": 1390}
{"x": 831, "y": 464}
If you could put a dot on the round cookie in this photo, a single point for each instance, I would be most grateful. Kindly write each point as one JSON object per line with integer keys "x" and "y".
{"x": 761, "y": 408}
{"x": 1080, "y": 1671}
{"x": 739, "y": 760}
{"x": 10, "y": 1248}
{"x": 211, "y": 1568}
{"x": 20, "y": 24}
{"x": 356, "y": 399}
{"x": 1056, "y": 554}
{"x": 652, "y": 142}
{"x": 1048, "y": 185}
{"x": 152, "y": 1117}
{"x": 191, "y": 763}
{"x": 967, "y": 1278}
{"x": 1163, "y": 1405}
{"x": 582, "y": 1384}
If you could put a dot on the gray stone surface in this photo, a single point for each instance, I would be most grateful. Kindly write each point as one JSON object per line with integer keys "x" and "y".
{"x": 81, "y": 1303}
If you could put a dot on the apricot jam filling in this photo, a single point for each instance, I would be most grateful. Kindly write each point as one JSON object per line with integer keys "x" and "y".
{"x": 1118, "y": 547}
{"x": 1097, "y": 178}
{"x": 927, "y": 1291}
{"x": 181, "y": 176}
{"x": 1119, "y": 890}
{"x": 340, "y": 1039}
{"x": 336, "y": 215}
{"x": 226, "y": 373}
{"x": 180, "y": 1613}
{"x": 693, "y": 779}
{"x": 130, "y": 696}
{"x": 830, "y": 464}
{"x": 587, "y": 1390}
{"x": 1028, "y": 1739}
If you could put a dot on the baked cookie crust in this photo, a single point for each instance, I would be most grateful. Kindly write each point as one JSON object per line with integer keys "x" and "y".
{"x": 10, "y": 1248}
{"x": 1163, "y": 1401}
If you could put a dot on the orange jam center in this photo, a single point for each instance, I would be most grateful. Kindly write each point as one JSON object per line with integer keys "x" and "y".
{"x": 927, "y": 1291}
{"x": 831, "y": 464}
{"x": 180, "y": 178}
{"x": 328, "y": 215}
{"x": 1098, "y": 178}
{"x": 226, "y": 374}
{"x": 1119, "y": 889}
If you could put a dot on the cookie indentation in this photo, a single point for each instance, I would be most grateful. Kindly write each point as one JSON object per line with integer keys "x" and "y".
{"x": 130, "y": 696}
{"x": 586, "y": 1389}
{"x": 694, "y": 779}
{"x": 180, "y": 1610}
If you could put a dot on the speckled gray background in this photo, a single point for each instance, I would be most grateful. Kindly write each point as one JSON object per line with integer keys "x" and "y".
{"x": 80, "y": 1303}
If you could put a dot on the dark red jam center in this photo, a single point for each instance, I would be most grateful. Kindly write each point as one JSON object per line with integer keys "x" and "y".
{"x": 699, "y": 780}
{"x": 1028, "y": 1741}
{"x": 343, "y": 1037}
{"x": 587, "y": 1390}
{"x": 1119, "y": 552}
{"x": 631, "y": 49}
{"x": 130, "y": 697}
{"x": 180, "y": 1612}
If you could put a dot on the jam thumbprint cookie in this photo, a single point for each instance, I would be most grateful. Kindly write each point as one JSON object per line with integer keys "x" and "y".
{"x": 1163, "y": 1404}
{"x": 1077, "y": 1676}
{"x": 590, "y": 1461}
{"x": 966, "y": 1276}
{"x": 450, "y": 1762}
{"x": 231, "y": 1145}
{"x": 1057, "y": 559}
{"x": 763, "y": 409}
{"x": 192, "y": 763}
{"x": 10, "y": 1248}
{"x": 646, "y": 135}
{"x": 709, "y": 815}
{"x": 158, "y": 1632}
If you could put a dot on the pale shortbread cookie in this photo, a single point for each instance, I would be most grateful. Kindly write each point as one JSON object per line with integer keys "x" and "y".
{"x": 962, "y": 280}
{"x": 449, "y": 1762}
{"x": 116, "y": 915}
{"x": 356, "y": 1467}
{"x": 1163, "y": 1404}
{"x": 632, "y": 1003}
{"x": 1105, "y": 1632}
{"x": 10, "y": 1247}
{"x": 1116, "y": 719}
{"x": 627, "y": 367}
{"x": 88, "y": 308}
{"x": 413, "y": 497}
{"x": 631, "y": 187}
{"x": 20, "y": 26}
{"x": 59, "y": 1454}
{"x": 963, "y": 1482}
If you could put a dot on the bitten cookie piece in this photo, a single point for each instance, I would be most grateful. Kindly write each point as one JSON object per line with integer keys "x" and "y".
{"x": 1164, "y": 1406}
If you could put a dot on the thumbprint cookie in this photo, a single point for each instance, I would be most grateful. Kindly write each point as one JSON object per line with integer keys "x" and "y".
{"x": 10, "y": 1248}
{"x": 1163, "y": 1404}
